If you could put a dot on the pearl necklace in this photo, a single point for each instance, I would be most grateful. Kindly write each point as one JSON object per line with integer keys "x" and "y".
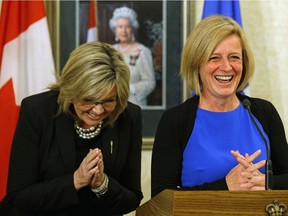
{"x": 123, "y": 49}
{"x": 88, "y": 133}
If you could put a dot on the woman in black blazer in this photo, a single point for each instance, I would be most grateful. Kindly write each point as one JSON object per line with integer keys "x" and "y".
{"x": 77, "y": 147}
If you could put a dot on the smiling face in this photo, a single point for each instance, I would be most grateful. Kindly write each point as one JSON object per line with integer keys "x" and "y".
{"x": 124, "y": 30}
{"x": 221, "y": 74}
{"x": 91, "y": 115}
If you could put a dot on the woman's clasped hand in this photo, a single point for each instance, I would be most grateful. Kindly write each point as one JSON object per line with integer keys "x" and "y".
{"x": 246, "y": 175}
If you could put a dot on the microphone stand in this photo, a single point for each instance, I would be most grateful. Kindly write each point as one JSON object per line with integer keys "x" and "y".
{"x": 268, "y": 165}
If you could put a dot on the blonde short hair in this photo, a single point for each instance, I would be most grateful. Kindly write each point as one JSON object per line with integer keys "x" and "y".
{"x": 202, "y": 41}
{"x": 93, "y": 70}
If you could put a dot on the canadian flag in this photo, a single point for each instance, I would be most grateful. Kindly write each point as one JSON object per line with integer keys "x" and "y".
{"x": 26, "y": 67}
{"x": 92, "y": 33}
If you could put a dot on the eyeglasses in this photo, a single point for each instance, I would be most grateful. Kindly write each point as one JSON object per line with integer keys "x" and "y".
{"x": 106, "y": 104}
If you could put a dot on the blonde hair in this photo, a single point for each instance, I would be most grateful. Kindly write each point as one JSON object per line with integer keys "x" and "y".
{"x": 93, "y": 70}
{"x": 201, "y": 43}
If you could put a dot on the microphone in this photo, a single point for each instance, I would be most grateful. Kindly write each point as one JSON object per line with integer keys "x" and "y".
{"x": 268, "y": 171}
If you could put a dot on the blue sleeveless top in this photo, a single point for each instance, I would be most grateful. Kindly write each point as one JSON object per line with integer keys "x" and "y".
{"x": 207, "y": 156}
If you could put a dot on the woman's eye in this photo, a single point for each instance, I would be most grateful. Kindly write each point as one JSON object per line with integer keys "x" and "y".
{"x": 214, "y": 57}
{"x": 88, "y": 100}
{"x": 236, "y": 57}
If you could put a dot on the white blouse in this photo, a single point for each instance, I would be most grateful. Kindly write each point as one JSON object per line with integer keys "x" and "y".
{"x": 142, "y": 76}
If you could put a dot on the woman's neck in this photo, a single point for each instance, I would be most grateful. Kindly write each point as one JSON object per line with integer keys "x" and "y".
{"x": 125, "y": 46}
{"x": 219, "y": 104}
{"x": 126, "y": 43}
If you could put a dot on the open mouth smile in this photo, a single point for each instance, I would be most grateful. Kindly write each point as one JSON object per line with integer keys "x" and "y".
{"x": 224, "y": 78}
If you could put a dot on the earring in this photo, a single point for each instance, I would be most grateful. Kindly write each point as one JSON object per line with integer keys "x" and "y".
{"x": 116, "y": 38}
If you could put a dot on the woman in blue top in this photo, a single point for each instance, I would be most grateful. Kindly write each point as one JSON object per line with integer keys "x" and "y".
{"x": 210, "y": 141}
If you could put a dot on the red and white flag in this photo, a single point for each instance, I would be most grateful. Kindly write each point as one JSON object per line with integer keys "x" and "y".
{"x": 92, "y": 33}
{"x": 26, "y": 67}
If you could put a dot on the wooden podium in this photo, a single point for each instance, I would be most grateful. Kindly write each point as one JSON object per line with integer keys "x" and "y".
{"x": 177, "y": 202}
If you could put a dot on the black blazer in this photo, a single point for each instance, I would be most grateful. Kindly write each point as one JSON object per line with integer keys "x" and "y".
{"x": 42, "y": 163}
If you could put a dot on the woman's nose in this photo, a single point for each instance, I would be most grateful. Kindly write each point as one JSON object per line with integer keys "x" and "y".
{"x": 98, "y": 109}
{"x": 225, "y": 65}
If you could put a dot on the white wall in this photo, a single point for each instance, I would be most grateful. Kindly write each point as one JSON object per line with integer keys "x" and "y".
{"x": 266, "y": 24}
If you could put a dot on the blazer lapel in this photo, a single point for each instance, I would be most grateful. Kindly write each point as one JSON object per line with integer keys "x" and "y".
{"x": 66, "y": 141}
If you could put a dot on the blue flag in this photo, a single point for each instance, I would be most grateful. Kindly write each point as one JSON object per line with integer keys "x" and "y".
{"x": 230, "y": 8}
